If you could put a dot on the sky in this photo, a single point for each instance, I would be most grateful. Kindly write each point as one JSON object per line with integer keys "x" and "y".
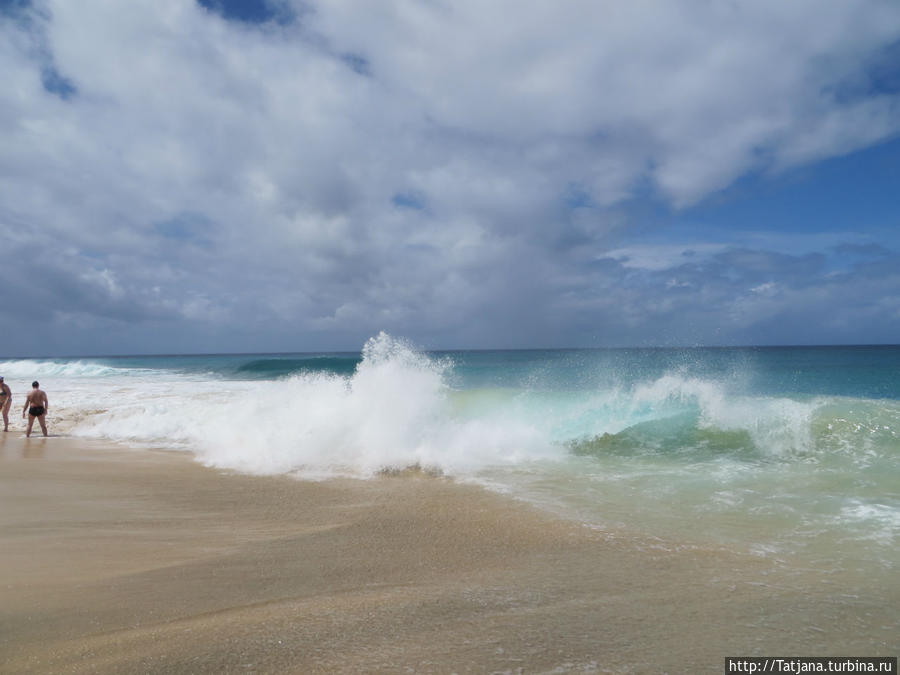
{"x": 184, "y": 176}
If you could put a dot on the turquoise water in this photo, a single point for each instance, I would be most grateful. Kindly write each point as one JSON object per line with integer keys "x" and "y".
{"x": 853, "y": 371}
{"x": 778, "y": 452}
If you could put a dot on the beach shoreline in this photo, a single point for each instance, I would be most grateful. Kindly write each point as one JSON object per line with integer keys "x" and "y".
{"x": 125, "y": 560}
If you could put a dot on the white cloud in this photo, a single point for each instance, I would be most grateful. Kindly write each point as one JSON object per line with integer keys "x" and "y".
{"x": 492, "y": 115}
{"x": 769, "y": 288}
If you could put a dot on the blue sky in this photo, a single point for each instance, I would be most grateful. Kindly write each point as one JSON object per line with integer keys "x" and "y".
{"x": 224, "y": 175}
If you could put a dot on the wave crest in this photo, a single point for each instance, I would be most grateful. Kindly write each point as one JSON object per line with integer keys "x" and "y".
{"x": 394, "y": 411}
{"x": 284, "y": 367}
{"x": 29, "y": 369}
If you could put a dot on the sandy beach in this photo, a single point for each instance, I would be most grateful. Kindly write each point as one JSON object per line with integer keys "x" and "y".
{"x": 118, "y": 560}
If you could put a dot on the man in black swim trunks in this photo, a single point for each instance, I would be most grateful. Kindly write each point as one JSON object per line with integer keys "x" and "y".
{"x": 5, "y": 402}
{"x": 36, "y": 404}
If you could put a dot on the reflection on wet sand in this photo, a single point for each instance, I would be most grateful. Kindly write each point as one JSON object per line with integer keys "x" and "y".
{"x": 14, "y": 445}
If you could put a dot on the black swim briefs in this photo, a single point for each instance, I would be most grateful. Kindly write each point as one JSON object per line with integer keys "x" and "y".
{"x": 36, "y": 410}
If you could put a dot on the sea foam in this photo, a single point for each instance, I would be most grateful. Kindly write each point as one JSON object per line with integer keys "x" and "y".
{"x": 777, "y": 425}
{"x": 35, "y": 369}
{"x": 394, "y": 411}
{"x": 396, "y": 407}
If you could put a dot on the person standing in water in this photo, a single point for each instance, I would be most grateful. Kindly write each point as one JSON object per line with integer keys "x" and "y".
{"x": 5, "y": 402}
{"x": 36, "y": 404}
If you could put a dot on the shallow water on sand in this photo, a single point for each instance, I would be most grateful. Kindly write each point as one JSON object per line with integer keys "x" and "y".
{"x": 142, "y": 561}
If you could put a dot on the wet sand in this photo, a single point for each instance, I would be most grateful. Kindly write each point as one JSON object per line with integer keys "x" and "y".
{"x": 119, "y": 561}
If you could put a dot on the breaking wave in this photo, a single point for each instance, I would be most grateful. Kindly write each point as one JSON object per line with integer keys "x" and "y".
{"x": 31, "y": 369}
{"x": 393, "y": 407}
{"x": 283, "y": 367}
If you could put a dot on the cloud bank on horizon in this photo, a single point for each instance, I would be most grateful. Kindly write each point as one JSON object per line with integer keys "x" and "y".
{"x": 298, "y": 175}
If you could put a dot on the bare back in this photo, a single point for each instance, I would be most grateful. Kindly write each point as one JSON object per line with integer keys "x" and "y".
{"x": 37, "y": 397}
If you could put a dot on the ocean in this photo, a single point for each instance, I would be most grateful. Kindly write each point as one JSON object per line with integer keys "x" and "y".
{"x": 787, "y": 453}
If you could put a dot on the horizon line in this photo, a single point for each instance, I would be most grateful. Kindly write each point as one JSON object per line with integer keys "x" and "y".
{"x": 463, "y": 349}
